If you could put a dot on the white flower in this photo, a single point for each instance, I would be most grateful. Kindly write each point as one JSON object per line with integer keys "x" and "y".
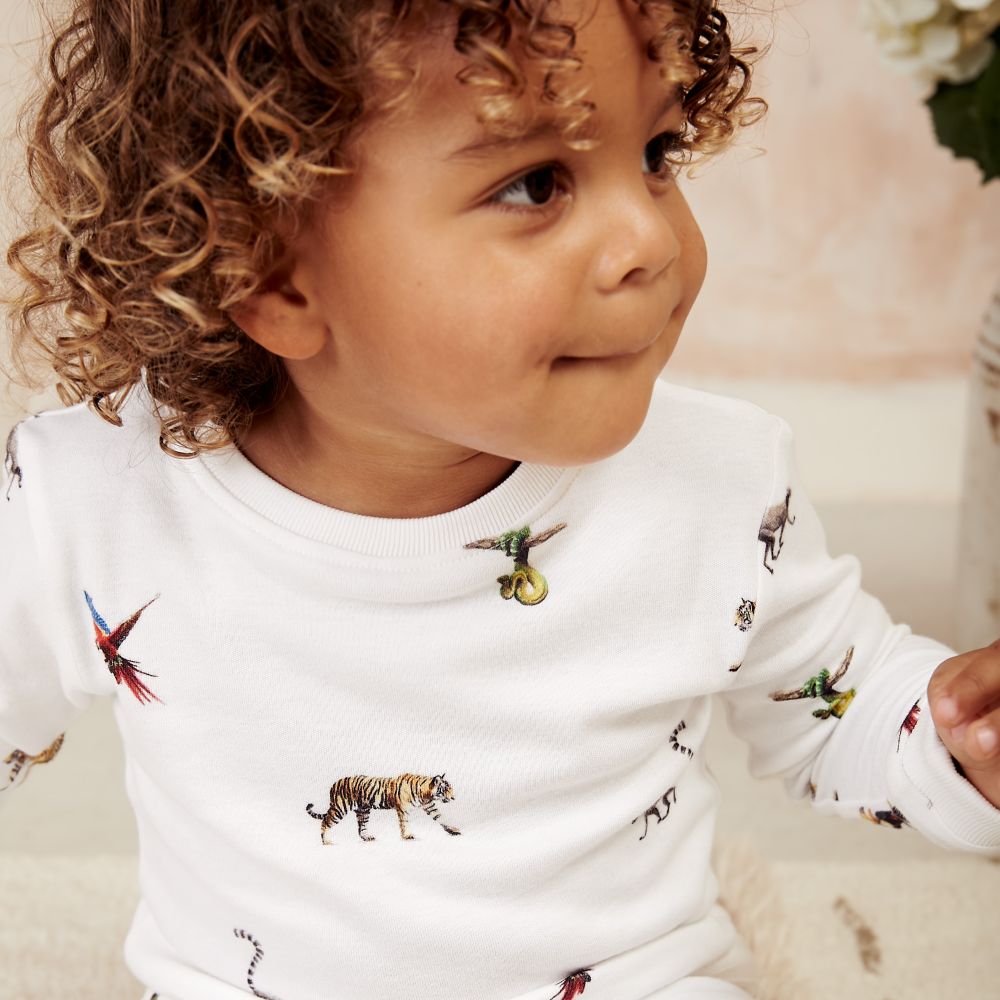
{"x": 896, "y": 13}
{"x": 933, "y": 40}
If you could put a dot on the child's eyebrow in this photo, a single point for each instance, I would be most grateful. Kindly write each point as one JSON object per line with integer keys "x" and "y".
{"x": 485, "y": 146}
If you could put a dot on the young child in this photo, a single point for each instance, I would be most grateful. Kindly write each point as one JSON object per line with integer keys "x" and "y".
{"x": 410, "y": 579}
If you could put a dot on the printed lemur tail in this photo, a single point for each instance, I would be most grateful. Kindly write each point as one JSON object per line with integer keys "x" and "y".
{"x": 258, "y": 954}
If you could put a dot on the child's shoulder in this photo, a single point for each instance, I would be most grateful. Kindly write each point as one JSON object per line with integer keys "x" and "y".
{"x": 702, "y": 417}
{"x": 701, "y": 458}
{"x": 705, "y": 444}
{"x": 705, "y": 448}
{"x": 75, "y": 445}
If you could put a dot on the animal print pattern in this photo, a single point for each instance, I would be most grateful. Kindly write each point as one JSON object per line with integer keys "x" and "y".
{"x": 772, "y": 534}
{"x": 891, "y": 817}
{"x": 772, "y": 529}
{"x": 823, "y": 686}
{"x": 744, "y": 614}
{"x": 109, "y": 642}
{"x": 909, "y": 723}
{"x": 18, "y": 759}
{"x": 10, "y": 460}
{"x": 405, "y": 792}
{"x": 673, "y": 739}
{"x": 362, "y": 793}
{"x": 654, "y": 809}
{"x": 525, "y": 584}
{"x": 258, "y": 954}
{"x": 573, "y": 985}
{"x": 665, "y": 799}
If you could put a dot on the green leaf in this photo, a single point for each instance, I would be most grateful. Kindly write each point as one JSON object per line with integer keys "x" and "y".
{"x": 967, "y": 116}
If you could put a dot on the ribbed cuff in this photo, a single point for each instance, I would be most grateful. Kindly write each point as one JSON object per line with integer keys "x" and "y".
{"x": 929, "y": 789}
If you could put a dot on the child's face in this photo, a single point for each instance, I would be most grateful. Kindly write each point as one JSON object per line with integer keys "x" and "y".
{"x": 446, "y": 296}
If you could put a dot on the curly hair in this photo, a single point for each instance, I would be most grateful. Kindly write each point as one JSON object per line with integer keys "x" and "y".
{"x": 175, "y": 145}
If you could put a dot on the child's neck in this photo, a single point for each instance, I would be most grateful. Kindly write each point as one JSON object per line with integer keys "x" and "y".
{"x": 352, "y": 476}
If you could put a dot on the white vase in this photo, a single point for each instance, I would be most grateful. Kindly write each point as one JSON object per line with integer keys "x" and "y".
{"x": 977, "y": 609}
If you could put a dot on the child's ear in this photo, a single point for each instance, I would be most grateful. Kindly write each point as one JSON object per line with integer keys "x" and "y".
{"x": 282, "y": 319}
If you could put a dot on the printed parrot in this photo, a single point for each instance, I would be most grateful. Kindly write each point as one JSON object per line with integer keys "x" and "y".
{"x": 573, "y": 986}
{"x": 909, "y": 723}
{"x": 108, "y": 643}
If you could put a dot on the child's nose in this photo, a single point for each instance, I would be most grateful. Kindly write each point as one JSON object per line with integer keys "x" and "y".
{"x": 636, "y": 237}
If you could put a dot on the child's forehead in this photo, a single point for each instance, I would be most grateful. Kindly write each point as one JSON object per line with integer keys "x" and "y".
{"x": 606, "y": 34}
{"x": 611, "y": 39}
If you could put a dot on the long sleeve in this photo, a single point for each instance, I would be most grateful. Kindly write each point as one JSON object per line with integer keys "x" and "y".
{"x": 40, "y": 691}
{"x": 831, "y": 695}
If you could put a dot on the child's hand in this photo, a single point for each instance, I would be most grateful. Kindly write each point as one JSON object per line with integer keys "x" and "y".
{"x": 964, "y": 698}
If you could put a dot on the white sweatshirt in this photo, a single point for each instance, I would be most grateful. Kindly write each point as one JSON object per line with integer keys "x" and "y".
{"x": 504, "y": 705}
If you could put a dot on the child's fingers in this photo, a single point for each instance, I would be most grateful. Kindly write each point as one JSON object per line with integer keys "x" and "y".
{"x": 980, "y": 738}
{"x": 965, "y": 687}
{"x": 939, "y": 688}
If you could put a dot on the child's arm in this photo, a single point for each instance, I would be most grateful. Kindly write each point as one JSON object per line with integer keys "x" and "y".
{"x": 832, "y": 696}
{"x": 39, "y": 687}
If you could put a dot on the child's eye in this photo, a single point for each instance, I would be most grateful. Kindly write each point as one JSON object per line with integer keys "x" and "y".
{"x": 534, "y": 190}
{"x": 658, "y": 150}
{"x": 537, "y": 186}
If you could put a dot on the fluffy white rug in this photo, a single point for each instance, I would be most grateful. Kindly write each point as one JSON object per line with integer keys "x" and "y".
{"x": 819, "y": 930}
{"x": 925, "y": 930}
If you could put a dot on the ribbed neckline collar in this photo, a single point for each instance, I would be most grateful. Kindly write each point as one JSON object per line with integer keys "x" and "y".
{"x": 249, "y": 494}
{"x": 525, "y": 493}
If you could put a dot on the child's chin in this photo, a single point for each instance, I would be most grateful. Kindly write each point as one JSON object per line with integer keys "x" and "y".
{"x": 581, "y": 448}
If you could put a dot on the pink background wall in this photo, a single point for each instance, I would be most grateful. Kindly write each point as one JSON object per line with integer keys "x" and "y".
{"x": 856, "y": 249}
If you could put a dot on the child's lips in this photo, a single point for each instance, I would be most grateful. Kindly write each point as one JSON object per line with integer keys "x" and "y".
{"x": 628, "y": 353}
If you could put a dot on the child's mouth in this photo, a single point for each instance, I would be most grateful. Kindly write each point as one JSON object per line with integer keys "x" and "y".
{"x": 618, "y": 356}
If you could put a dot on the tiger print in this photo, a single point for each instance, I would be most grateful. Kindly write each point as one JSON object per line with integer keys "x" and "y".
{"x": 363, "y": 793}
